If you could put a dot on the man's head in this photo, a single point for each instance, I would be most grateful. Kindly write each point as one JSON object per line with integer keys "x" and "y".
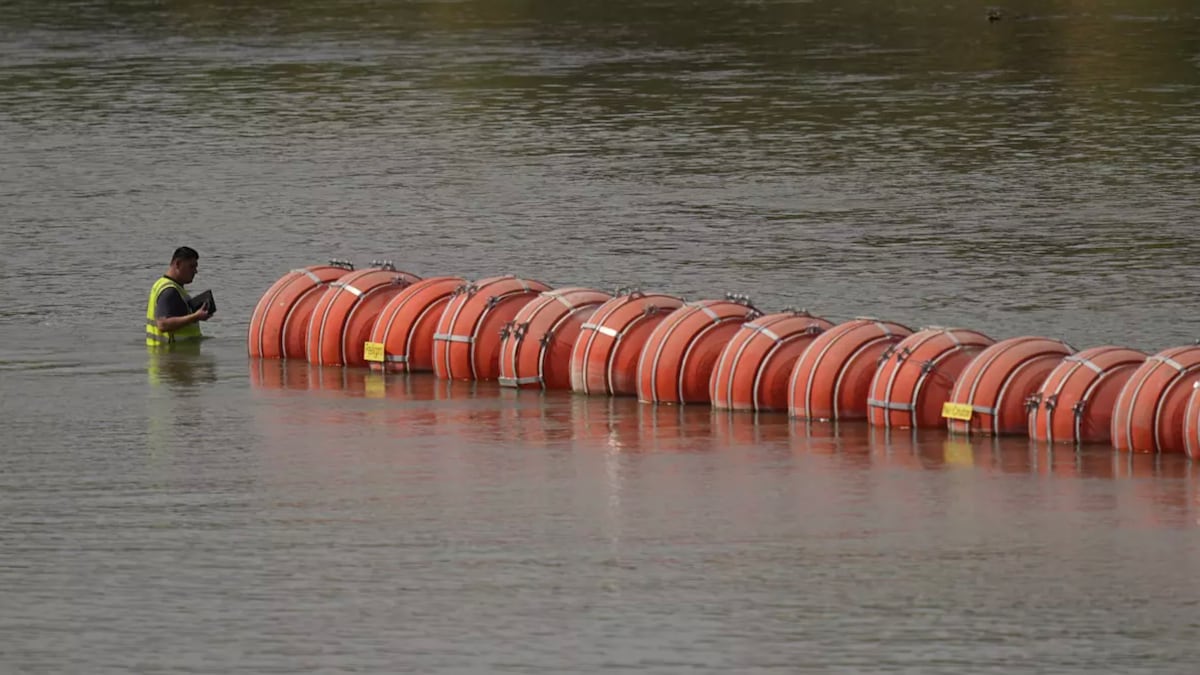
{"x": 184, "y": 262}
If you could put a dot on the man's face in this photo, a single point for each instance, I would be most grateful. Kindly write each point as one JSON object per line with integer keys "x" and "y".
{"x": 187, "y": 270}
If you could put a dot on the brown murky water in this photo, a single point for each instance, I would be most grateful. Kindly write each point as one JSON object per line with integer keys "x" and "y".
{"x": 207, "y": 513}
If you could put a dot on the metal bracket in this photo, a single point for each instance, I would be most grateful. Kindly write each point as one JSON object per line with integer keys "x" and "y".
{"x": 1032, "y": 401}
{"x": 739, "y": 298}
{"x": 886, "y": 354}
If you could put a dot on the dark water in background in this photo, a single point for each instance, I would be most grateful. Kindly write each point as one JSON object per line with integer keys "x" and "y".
{"x": 908, "y": 160}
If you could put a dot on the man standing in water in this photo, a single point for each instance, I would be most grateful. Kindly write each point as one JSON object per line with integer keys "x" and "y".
{"x": 169, "y": 317}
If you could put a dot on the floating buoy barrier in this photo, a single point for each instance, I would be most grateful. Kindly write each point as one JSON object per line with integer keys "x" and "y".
{"x": 917, "y": 374}
{"x": 991, "y": 392}
{"x": 346, "y": 313}
{"x": 754, "y": 369}
{"x": 832, "y": 378}
{"x": 1075, "y": 402}
{"x": 466, "y": 345}
{"x": 723, "y": 352}
{"x": 265, "y": 337}
{"x": 535, "y": 349}
{"x": 605, "y": 356}
{"x": 679, "y": 356}
{"x": 1149, "y": 413}
{"x": 402, "y": 339}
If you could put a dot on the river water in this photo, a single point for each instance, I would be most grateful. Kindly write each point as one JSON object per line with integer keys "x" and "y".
{"x": 206, "y": 513}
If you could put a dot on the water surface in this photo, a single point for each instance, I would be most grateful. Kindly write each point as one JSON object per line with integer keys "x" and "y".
{"x": 913, "y": 161}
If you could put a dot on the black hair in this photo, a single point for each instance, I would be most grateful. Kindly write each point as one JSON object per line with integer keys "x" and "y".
{"x": 185, "y": 253}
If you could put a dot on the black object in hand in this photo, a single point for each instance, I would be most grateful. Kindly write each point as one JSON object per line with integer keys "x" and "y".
{"x": 201, "y": 299}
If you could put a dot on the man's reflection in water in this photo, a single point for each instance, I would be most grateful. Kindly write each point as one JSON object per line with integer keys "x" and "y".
{"x": 177, "y": 374}
{"x": 180, "y": 366}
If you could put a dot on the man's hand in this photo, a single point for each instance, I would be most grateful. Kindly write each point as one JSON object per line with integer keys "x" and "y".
{"x": 202, "y": 314}
{"x": 174, "y": 323}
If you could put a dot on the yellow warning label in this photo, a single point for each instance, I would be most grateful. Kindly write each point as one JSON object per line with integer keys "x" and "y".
{"x": 957, "y": 411}
{"x": 373, "y": 351}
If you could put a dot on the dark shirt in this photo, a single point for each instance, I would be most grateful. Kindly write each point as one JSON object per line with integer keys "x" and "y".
{"x": 169, "y": 304}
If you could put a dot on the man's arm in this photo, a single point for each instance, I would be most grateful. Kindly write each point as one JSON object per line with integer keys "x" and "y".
{"x": 171, "y": 312}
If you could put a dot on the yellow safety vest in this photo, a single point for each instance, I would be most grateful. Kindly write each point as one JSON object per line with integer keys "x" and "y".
{"x": 156, "y": 337}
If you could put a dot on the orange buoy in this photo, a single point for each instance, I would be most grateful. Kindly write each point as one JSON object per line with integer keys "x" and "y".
{"x": 832, "y": 378}
{"x": 916, "y": 376}
{"x": 679, "y": 356}
{"x": 1191, "y": 424}
{"x": 535, "y": 347}
{"x": 755, "y": 368}
{"x": 990, "y": 393}
{"x": 407, "y": 323}
{"x": 265, "y": 337}
{"x": 295, "y": 326}
{"x": 346, "y": 313}
{"x": 1148, "y": 415}
{"x": 466, "y": 345}
{"x": 1075, "y": 402}
{"x": 605, "y": 357}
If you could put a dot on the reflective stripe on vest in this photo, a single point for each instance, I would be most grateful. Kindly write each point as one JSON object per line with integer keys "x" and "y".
{"x": 154, "y": 336}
